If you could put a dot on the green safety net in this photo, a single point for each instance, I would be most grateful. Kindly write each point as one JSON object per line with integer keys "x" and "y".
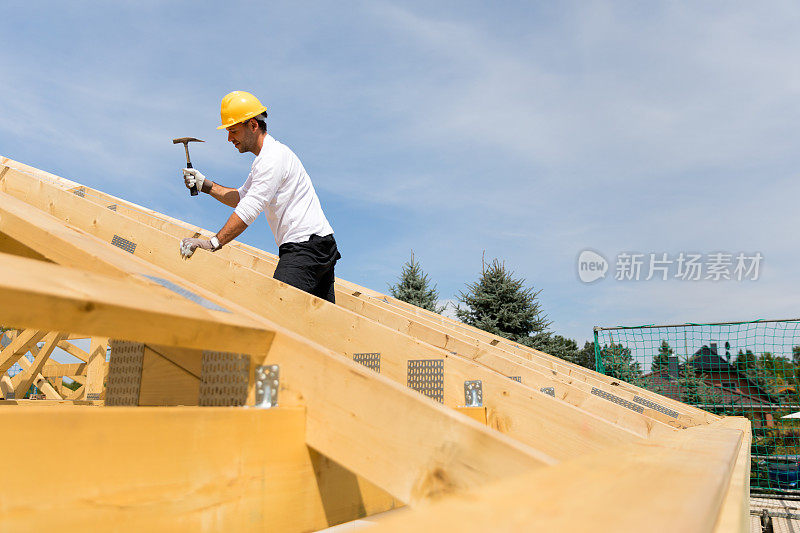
{"x": 749, "y": 369}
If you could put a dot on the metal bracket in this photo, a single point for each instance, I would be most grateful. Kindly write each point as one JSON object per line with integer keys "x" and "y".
{"x": 551, "y": 391}
{"x": 655, "y": 406}
{"x": 617, "y": 400}
{"x": 473, "y": 393}
{"x": 426, "y": 376}
{"x": 267, "y": 381}
{"x": 369, "y": 360}
{"x": 125, "y": 244}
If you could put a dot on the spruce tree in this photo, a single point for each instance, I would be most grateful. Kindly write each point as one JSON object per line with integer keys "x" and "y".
{"x": 619, "y": 363}
{"x": 661, "y": 360}
{"x": 414, "y": 287}
{"x": 502, "y": 305}
{"x": 567, "y": 349}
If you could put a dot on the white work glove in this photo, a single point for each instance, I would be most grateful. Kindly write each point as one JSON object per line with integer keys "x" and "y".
{"x": 193, "y": 177}
{"x": 190, "y": 244}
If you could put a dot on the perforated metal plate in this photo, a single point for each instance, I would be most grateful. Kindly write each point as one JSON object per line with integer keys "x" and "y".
{"x": 516, "y": 378}
{"x": 426, "y": 376}
{"x": 124, "y": 373}
{"x": 223, "y": 378}
{"x": 654, "y": 406}
{"x": 617, "y": 400}
{"x": 369, "y": 360}
{"x": 79, "y": 191}
{"x": 93, "y": 396}
{"x": 551, "y": 391}
{"x": 473, "y": 393}
{"x": 125, "y": 244}
{"x": 186, "y": 293}
{"x": 113, "y": 207}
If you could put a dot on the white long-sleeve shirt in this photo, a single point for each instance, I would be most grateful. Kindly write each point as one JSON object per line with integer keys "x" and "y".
{"x": 279, "y": 185}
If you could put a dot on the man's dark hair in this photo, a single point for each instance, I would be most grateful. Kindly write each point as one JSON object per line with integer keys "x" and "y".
{"x": 262, "y": 121}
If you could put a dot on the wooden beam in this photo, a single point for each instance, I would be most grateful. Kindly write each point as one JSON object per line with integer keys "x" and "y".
{"x": 19, "y": 347}
{"x": 66, "y": 299}
{"x": 49, "y": 390}
{"x": 74, "y": 350}
{"x": 526, "y": 414}
{"x": 176, "y": 469}
{"x": 415, "y": 448}
{"x": 346, "y": 421}
{"x": 734, "y": 514}
{"x": 677, "y": 483}
{"x": 52, "y": 369}
{"x": 29, "y": 375}
{"x": 574, "y": 384}
{"x": 96, "y": 365}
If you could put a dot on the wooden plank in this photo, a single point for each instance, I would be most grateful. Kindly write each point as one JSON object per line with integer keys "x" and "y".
{"x": 13, "y": 246}
{"x": 176, "y": 469}
{"x": 49, "y": 390}
{"x": 480, "y": 454}
{"x": 74, "y": 350}
{"x": 555, "y": 427}
{"x": 571, "y": 378}
{"x": 18, "y": 347}
{"x": 264, "y": 262}
{"x": 37, "y": 293}
{"x": 95, "y": 373}
{"x": 734, "y": 514}
{"x": 53, "y": 369}
{"x": 406, "y": 444}
{"x": 677, "y": 483}
{"x": 532, "y": 354}
{"x": 564, "y": 386}
{"x": 29, "y": 375}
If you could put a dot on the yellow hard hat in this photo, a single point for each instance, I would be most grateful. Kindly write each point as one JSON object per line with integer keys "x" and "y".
{"x": 239, "y": 106}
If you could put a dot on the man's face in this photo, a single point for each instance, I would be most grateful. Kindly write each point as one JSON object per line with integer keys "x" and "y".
{"x": 243, "y": 135}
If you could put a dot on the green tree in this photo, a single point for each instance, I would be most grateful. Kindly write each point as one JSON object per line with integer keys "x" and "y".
{"x": 619, "y": 363}
{"x": 695, "y": 391}
{"x": 568, "y": 350}
{"x": 767, "y": 371}
{"x": 414, "y": 287}
{"x": 72, "y": 385}
{"x": 502, "y": 305}
{"x": 661, "y": 360}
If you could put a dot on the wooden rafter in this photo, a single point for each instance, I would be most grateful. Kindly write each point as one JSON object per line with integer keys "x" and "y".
{"x": 528, "y": 415}
{"x": 443, "y": 445}
{"x": 572, "y": 383}
{"x": 570, "y": 447}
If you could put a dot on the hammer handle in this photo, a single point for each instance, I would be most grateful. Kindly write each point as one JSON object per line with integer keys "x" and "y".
{"x": 193, "y": 190}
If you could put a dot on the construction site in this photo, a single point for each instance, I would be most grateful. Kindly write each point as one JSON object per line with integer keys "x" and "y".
{"x": 203, "y": 405}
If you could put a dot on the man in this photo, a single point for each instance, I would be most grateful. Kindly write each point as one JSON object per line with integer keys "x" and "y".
{"x": 279, "y": 185}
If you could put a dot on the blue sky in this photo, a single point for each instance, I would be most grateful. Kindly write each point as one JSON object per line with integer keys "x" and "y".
{"x": 530, "y": 131}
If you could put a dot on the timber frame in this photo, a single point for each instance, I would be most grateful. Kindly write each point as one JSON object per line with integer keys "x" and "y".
{"x": 371, "y": 413}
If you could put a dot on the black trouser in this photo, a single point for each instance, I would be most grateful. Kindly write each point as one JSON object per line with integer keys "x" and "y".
{"x": 309, "y": 265}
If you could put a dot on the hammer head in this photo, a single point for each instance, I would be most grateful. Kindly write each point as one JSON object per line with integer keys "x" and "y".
{"x": 186, "y": 140}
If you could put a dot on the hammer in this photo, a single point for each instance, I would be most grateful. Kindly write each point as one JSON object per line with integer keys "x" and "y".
{"x": 186, "y": 141}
